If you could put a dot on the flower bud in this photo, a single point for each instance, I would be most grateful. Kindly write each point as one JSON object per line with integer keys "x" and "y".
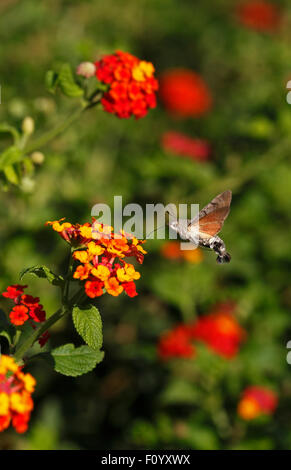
{"x": 37, "y": 158}
{"x": 27, "y": 185}
{"x": 28, "y": 125}
{"x": 86, "y": 69}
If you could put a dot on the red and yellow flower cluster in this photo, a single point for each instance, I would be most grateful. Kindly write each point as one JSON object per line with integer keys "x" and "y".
{"x": 27, "y": 308}
{"x": 219, "y": 331}
{"x": 16, "y": 388}
{"x": 132, "y": 85}
{"x": 259, "y": 15}
{"x": 184, "y": 146}
{"x": 101, "y": 257}
{"x": 184, "y": 93}
{"x": 257, "y": 401}
{"x": 172, "y": 250}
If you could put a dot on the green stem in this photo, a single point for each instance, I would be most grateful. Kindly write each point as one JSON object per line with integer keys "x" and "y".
{"x": 61, "y": 312}
{"x": 37, "y": 333}
{"x": 66, "y": 290}
{"x": 59, "y": 129}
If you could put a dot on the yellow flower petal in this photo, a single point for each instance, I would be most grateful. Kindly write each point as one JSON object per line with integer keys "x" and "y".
{"x": 4, "y": 403}
{"x": 101, "y": 272}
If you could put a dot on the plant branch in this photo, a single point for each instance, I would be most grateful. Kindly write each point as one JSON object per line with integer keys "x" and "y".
{"x": 61, "y": 312}
{"x": 59, "y": 129}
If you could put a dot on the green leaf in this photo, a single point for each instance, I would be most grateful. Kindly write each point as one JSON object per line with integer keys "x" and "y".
{"x": 43, "y": 272}
{"x": 11, "y": 175}
{"x": 51, "y": 81}
{"x": 67, "y": 83}
{"x": 88, "y": 323}
{"x": 73, "y": 362}
{"x": 6, "y": 329}
{"x": 6, "y": 128}
{"x": 10, "y": 156}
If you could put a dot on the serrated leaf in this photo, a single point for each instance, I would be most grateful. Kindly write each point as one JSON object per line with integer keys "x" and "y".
{"x": 43, "y": 272}
{"x": 67, "y": 83}
{"x": 73, "y": 362}
{"x": 88, "y": 323}
{"x": 10, "y": 156}
{"x": 6, "y": 329}
{"x": 51, "y": 81}
{"x": 6, "y": 128}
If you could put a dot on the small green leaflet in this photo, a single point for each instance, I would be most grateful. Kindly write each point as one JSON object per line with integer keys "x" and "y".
{"x": 10, "y": 156}
{"x": 67, "y": 83}
{"x": 88, "y": 323}
{"x": 42, "y": 271}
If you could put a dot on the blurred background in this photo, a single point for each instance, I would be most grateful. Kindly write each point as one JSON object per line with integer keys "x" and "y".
{"x": 227, "y": 127}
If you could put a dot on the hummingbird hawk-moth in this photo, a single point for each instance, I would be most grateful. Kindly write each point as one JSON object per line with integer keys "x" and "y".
{"x": 203, "y": 229}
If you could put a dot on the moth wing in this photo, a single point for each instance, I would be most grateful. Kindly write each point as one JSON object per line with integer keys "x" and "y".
{"x": 212, "y": 216}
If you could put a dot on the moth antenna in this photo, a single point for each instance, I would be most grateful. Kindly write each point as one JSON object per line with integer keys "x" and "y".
{"x": 154, "y": 230}
{"x": 175, "y": 216}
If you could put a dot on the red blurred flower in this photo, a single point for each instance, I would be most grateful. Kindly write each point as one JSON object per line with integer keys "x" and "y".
{"x": 184, "y": 93}
{"x": 172, "y": 250}
{"x": 180, "y": 144}
{"x": 15, "y": 395}
{"x": 176, "y": 343}
{"x": 259, "y": 15}
{"x": 220, "y": 331}
{"x": 256, "y": 401}
{"x": 27, "y": 308}
{"x": 131, "y": 84}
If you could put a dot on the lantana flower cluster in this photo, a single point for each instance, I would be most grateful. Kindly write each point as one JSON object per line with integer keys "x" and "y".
{"x": 100, "y": 254}
{"x": 257, "y": 401}
{"x": 131, "y": 84}
{"x": 177, "y": 343}
{"x": 16, "y": 388}
{"x": 219, "y": 331}
{"x": 27, "y": 308}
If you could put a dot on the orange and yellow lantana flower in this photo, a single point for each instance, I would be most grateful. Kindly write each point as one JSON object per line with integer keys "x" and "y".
{"x": 16, "y": 388}
{"x": 100, "y": 254}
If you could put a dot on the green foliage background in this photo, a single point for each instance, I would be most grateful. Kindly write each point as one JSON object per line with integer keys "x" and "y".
{"x": 132, "y": 400}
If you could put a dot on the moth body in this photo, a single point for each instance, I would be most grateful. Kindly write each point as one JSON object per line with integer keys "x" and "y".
{"x": 202, "y": 230}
